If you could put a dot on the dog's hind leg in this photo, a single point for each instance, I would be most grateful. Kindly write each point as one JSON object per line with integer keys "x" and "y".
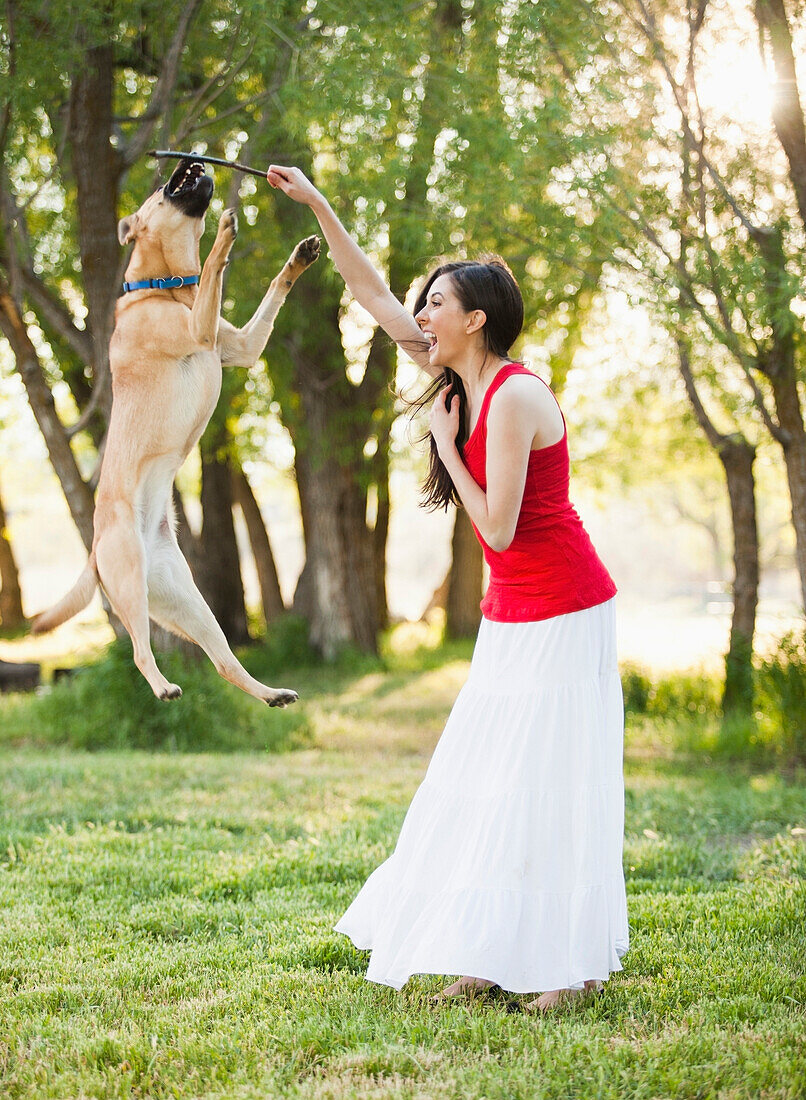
{"x": 121, "y": 565}
{"x": 176, "y": 604}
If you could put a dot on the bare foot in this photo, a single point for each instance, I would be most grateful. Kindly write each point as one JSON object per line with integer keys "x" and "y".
{"x": 464, "y": 987}
{"x": 555, "y": 998}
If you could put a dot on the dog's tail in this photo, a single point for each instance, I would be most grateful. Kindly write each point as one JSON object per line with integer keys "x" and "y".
{"x": 76, "y": 600}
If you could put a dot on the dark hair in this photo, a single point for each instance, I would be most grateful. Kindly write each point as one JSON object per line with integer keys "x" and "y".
{"x": 489, "y": 285}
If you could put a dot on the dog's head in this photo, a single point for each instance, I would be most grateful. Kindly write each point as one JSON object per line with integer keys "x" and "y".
{"x": 175, "y": 208}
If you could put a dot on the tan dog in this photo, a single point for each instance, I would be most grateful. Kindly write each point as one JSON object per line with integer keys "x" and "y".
{"x": 166, "y": 355}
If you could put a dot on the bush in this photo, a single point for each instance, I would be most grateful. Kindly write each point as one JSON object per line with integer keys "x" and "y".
{"x": 781, "y": 699}
{"x": 637, "y": 688}
{"x": 677, "y": 695}
{"x": 286, "y": 644}
{"x": 109, "y": 705}
{"x": 686, "y": 695}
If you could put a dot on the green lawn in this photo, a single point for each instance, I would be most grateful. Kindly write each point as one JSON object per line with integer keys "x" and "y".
{"x": 167, "y": 923}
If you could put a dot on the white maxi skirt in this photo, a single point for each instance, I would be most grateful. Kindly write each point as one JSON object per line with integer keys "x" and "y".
{"x": 509, "y": 862}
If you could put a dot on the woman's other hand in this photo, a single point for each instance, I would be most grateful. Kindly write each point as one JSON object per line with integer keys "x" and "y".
{"x": 294, "y": 183}
{"x": 445, "y": 421}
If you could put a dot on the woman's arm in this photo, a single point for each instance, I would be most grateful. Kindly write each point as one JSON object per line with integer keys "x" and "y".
{"x": 363, "y": 281}
{"x": 520, "y": 415}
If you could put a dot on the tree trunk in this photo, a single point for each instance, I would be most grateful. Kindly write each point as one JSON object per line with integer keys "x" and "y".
{"x": 97, "y": 167}
{"x": 380, "y": 538}
{"x": 787, "y": 113}
{"x": 462, "y": 613}
{"x": 737, "y": 457}
{"x": 11, "y": 613}
{"x": 779, "y": 363}
{"x": 375, "y": 394}
{"x": 407, "y": 246}
{"x": 270, "y": 595}
{"x": 189, "y": 542}
{"x": 220, "y": 574}
{"x": 330, "y": 420}
{"x": 788, "y": 411}
{"x": 338, "y": 583}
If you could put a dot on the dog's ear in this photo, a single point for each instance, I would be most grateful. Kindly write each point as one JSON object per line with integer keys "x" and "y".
{"x": 127, "y": 228}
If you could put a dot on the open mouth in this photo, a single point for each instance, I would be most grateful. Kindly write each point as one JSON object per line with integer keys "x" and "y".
{"x": 190, "y": 187}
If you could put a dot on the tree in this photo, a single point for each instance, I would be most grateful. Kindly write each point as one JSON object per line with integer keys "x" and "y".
{"x": 84, "y": 125}
{"x": 697, "y": 222}
{"x": 11, "y": 613}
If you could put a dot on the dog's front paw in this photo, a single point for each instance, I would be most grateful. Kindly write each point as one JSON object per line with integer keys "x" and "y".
{"x": 282, "y": 697}
{"x": 307, "y": 251}
{"x": 228, "y": 225}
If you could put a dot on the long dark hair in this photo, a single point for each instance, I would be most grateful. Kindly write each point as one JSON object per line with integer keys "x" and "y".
{"x": 489, "y": 285}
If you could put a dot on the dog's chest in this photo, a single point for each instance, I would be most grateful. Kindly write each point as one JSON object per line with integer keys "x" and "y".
{"x": 197, "y": 386}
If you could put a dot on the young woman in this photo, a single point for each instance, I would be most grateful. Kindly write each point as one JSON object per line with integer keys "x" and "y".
{"x": 508, "y": 865}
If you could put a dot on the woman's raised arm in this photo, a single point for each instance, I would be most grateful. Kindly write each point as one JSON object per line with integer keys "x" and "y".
{"x": 363, "y": 281}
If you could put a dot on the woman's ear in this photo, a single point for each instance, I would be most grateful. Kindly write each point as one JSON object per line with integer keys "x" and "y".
{"x": 476, "y": 320}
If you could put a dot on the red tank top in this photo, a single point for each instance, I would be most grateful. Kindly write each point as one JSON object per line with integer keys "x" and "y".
{"x": 550, "y": 568}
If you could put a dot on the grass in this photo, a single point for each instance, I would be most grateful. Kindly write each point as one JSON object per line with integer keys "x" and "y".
{"x": 167, "y": 922}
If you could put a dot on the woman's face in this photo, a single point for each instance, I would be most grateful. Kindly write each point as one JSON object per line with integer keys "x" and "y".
{"x": 444, "y": 321}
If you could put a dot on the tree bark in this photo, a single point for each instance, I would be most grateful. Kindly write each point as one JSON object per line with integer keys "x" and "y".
{"x": 462, "y": 612}
{"x": 270, "y": 594}
{"x": 737, "y": 457}
{"x": 380, "y": 539}
{"x": 220, "y": 575}
{"x": 787, "y": 112}
{"x": 11, "y": 613}
{"x": 97, "y": 169}
{"x": 779, "y": 363}
{"x": 788, "y": 410}
{"x": 330, "y": 420}
{"x": 189, "y": 542}
{"x": 338, "y": 585}
{"x": 376, "y": 395}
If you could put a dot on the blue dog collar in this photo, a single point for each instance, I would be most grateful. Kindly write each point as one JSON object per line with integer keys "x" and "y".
{"x": 169, "y": 282}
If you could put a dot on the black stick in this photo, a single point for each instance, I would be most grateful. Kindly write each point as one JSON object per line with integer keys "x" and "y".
{"x": 208, "y": 160}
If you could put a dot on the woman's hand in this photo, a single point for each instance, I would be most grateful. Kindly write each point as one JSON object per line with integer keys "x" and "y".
{"x": 294, "y": 183}
{"x": 445, "y": 421}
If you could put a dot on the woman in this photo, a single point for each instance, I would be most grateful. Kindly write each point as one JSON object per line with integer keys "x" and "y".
{"x": 508, "y": 865}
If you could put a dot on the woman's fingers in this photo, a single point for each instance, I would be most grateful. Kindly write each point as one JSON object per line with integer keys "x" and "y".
{"x": 442, "y": 399}
{"x": 277, "y": 176}
{"x": 292, "y": 182}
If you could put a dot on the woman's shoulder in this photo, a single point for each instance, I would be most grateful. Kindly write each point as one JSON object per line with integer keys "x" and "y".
{"x": 525, "y": 387}
{"x": 523, "y": 397}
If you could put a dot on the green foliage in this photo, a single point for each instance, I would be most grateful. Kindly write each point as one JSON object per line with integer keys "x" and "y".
{"x": 688, "y": 706}
{"x": 781, "y": 697}
{"x": 673, "y": 696}
{"x": 692, "y": 695}
{"x": 109, "y": 705}
{"x": 636, "y": 686}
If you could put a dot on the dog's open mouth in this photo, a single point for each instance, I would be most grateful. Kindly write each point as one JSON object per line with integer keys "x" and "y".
{"x": 190, "y": 187}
